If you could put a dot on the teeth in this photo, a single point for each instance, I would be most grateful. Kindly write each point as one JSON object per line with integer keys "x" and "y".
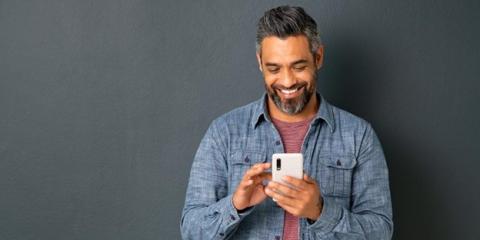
{"x": 289, "y": 91}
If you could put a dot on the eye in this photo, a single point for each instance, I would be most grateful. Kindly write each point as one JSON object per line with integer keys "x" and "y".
{"x": 273, "y": 69}
{"x": 299, "y": 68}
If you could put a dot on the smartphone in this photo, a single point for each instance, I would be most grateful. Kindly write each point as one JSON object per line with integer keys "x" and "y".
{"x": 287, "y": 164}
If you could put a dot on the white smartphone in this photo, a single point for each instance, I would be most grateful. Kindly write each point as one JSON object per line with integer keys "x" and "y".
{"x": 287, "y": 164}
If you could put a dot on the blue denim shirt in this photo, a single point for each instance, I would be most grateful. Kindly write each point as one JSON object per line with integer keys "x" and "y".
{"x": 341, "y": 152}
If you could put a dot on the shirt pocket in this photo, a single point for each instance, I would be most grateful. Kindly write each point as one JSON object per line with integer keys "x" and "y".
{"x": 336, "y": 174}
{"x": 241, "y": 161}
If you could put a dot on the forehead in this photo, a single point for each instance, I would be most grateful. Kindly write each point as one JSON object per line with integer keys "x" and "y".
{"x": 289, "y": 49}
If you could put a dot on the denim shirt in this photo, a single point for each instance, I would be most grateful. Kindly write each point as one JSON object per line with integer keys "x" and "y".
{"x": 341, "y": 152}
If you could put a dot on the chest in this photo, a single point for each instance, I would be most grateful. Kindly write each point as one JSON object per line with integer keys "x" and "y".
{"x": 328, "y": 157}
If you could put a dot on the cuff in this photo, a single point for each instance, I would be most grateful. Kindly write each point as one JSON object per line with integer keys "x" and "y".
{"x": 329, "y": 218}
{"x": 229, "y": 215}
{"x": 236, "y": 213}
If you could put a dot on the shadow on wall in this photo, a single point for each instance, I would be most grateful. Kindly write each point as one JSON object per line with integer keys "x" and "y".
{"x": 355, "y": 77}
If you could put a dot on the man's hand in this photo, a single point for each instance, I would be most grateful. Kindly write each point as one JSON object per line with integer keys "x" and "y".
{"x": 302, "y": 199}
{"x": 250, "y": 191}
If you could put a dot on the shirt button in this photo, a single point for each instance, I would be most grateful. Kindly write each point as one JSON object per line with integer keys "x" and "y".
{"x": 277, "y": 143}
{"x": 232, "y": 217}
{"x": 247, "y": 160}
{"x": 277, "y": 237}
{"x": 221, "y": 234}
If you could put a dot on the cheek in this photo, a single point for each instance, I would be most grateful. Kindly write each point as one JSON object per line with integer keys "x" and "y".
{"x": 306, "y": 76}
{"x": 269, "y": 79}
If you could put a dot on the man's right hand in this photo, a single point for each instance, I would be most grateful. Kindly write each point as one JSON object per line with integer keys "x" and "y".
{"x": 251, "y": 191}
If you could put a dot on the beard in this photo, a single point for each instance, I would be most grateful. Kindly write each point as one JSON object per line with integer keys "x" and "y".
{"x": 294, "y": 105}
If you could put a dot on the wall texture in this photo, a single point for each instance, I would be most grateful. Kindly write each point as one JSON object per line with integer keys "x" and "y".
{"x": 103, "y": 104}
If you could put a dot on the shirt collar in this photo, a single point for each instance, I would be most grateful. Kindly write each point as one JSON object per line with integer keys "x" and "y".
{"x": 325, "y": 112}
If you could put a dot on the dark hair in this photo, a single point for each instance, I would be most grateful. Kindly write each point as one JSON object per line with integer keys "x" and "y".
{"x": 286, "y": 21}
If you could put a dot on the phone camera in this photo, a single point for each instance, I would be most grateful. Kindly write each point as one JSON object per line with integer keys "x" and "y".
{"x": 279, "y": 164}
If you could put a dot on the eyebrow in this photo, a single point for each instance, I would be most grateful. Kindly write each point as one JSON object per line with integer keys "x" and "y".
{"x": 268, "y": 64}
{"x": 299, "y": 61}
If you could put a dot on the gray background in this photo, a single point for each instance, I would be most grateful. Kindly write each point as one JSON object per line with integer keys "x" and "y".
{"x": 103, "y": 104}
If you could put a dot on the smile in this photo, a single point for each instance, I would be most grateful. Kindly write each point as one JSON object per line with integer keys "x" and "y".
{"x": 290, "y": 91}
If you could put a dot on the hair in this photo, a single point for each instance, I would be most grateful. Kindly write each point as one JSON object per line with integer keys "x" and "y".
{"x": 286, "y": 21}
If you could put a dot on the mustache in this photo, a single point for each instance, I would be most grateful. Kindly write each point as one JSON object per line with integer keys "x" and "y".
{"x": 295, "y": 86}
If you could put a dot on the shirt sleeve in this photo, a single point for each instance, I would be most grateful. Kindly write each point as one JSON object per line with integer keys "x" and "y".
{"x": 208, "y": 212}
{"x": 370, "y": 215}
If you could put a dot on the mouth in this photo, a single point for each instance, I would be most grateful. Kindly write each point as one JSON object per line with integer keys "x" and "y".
{"x": 291, "y": 93}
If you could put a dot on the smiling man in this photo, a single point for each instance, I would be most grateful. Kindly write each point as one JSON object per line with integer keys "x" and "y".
{"x": 344, "y": 193}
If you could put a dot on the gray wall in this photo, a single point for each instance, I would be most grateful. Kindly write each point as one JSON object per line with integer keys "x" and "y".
{"x": 103, "y": 104}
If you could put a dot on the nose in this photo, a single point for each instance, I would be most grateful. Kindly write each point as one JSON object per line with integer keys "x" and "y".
{"x": 287, "y": 79}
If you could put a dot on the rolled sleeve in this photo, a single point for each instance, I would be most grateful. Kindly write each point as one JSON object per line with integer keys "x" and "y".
{"x": 329, "y": 218}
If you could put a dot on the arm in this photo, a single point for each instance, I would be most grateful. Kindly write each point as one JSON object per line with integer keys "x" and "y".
{"x": 370, "y": 216}
{"x": 208, "y": 212}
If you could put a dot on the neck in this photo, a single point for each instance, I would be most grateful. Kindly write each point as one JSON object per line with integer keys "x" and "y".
{"x": 308, "y": 111}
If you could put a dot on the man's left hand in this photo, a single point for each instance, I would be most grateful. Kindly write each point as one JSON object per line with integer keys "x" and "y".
{"x": 301, "y": 199}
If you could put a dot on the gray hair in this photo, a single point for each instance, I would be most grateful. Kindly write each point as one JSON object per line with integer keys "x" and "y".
{"x": 286, "y": 21}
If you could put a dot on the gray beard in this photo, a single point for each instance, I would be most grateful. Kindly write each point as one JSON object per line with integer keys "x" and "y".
{"x": 290, "y": 107}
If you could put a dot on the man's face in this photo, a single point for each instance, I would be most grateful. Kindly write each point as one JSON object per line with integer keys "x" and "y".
{"x": 289, "y": 69}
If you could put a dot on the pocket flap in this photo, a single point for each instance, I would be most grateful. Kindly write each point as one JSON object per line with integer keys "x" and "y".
{"x": 339, "y": 161}
{"x": 248, "y": 158}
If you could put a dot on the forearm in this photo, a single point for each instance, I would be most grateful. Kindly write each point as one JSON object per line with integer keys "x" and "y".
{"x": 337, "y": 222}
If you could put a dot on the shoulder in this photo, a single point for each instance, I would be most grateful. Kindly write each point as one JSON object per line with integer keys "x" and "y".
{"x": 355, "y": 132}
{"x": 238, "y": 117}
{"x": 347, "y": 121}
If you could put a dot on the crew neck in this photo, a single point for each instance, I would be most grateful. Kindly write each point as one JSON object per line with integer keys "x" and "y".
{"x": 278, "y": 121}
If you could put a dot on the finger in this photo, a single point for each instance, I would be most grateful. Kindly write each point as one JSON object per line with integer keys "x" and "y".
{"x": 308, "y": 179}
{"x": 250, "y": 176}
{"x": 268, "y": 176}
{"x": 284, "y": 189}
{"x": 246, "y": 183}
{"x": 279, "y": 198}
{"x": 261, "y": 177}
{"x": 256, "y": 169}
{"x": 248, "y": 179}
{"x": 290, "y": 209}
{"x": 298, "y": 183}
{"x": 265, "y": 175}
{"x": 261, "y": 166}
{"x": 265, "y": 166}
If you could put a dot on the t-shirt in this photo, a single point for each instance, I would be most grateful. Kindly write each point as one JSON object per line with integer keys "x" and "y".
{"x": 292, "y": 135}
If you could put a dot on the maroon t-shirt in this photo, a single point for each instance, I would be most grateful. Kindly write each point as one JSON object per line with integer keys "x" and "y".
{"x": 292, "y": 135}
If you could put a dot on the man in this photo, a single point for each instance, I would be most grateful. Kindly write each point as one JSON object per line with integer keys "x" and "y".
{"x": 344, "y": 193}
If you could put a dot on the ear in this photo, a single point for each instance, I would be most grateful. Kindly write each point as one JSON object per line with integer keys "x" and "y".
{"x": 319, "y": 57}
{"x": 259, "y": 60}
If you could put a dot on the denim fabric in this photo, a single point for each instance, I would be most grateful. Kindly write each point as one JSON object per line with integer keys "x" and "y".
{"x": 341, "y": 152}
